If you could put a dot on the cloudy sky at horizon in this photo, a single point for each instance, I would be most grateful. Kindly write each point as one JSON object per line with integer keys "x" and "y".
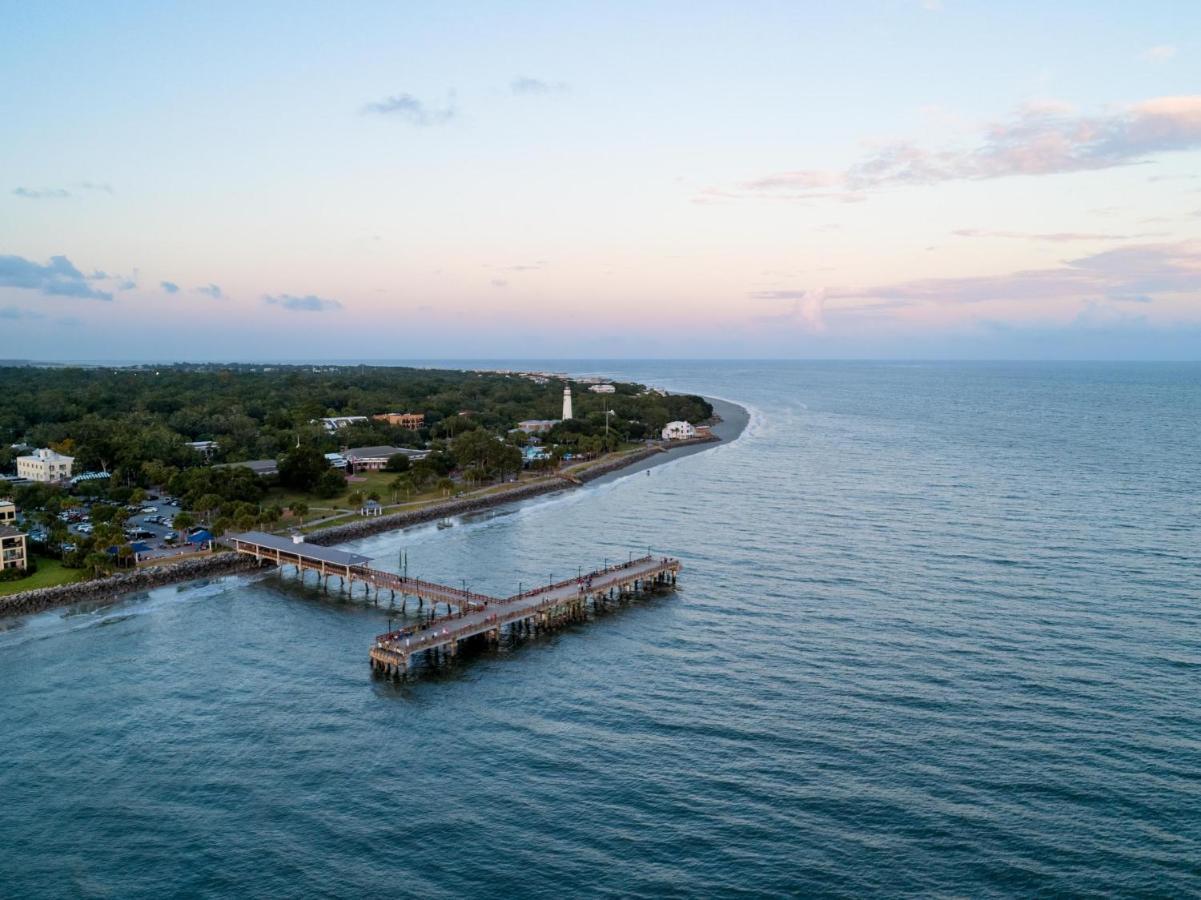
{"x": 899, "y": 178}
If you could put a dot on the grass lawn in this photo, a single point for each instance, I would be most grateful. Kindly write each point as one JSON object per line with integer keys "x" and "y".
{"x": 372, "y": 481}
{"x": 324, "y": 507}
{"x": 50, "y": 572}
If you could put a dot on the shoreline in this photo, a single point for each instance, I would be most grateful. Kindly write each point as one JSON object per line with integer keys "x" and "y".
{"x": 734, "y": 420}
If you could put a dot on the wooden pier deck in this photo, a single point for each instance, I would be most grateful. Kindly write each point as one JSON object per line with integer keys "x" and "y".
{"x": 469, "y": 614}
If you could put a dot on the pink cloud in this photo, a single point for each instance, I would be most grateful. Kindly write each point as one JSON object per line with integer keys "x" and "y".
{"x": 1040, "y": 139}
{"x": 1119, "y": 274}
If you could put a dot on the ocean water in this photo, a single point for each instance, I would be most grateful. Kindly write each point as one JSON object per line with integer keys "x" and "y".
{"x": 939, "y": 633}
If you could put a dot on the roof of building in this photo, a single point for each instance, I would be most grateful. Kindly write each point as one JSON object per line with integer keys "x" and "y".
{"x": 9, "y": 531}
{"x": 45, "y": 454}
{"x": 382, "y": 452}
{"x": 311, "y": 551}
{"x": 90, "y": 476}
{"x": 258, "y": 466}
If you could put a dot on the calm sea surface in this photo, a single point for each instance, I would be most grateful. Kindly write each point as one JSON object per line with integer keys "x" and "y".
{"x": 939, "y": 632}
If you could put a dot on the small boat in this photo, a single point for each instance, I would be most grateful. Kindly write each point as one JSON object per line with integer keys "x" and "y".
{"x": 445, "y": 523}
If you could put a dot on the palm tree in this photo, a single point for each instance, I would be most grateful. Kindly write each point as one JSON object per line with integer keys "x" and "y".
{"x": 98, "y": 562}
{"x": 299, "y": 509}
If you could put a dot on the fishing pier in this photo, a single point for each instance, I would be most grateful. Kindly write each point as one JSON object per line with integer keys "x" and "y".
{"x": 469, "y": 616}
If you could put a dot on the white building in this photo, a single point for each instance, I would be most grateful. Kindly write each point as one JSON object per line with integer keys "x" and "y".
{"x": 205, "y": 448}
{"x": 45, "y": 465}
{"x": 567, "y": 403}
{"x": 603, "y": 389}
{"x": 536, "y": 426}
{"x": 333, "y": 423}
{"x": 8, "y": 512}
{"x": 678, "y": 431}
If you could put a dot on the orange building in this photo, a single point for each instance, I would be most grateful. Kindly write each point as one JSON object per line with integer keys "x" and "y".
{"x": 412, "y": 421}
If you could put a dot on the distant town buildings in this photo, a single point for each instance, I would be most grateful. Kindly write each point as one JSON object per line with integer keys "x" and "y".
{"x": 603, "y": 389}
{"x": 412, "y": 421}
{"x": 13, "y": 552}
{"x": 678, "y": 431}
{"x": 334, "y": 423}
{"x": 46, "y": 466}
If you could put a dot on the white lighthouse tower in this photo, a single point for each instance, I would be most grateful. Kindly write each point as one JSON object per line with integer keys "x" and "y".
{"x": 567, "y": 403}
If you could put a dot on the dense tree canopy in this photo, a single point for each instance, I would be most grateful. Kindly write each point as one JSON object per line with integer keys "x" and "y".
{"x": 135, "y": 424}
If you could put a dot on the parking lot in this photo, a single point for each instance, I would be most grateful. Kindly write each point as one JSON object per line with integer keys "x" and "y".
{"x": 149, "y": 528}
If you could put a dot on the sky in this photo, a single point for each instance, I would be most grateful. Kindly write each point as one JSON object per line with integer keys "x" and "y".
{"x": 891, "y": 179}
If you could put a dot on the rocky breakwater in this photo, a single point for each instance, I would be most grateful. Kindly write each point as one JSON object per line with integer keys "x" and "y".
{"x": 117, "y": 585}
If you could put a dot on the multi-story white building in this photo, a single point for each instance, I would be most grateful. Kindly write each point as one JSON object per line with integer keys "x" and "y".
{"x": 678, "y": 431}
{"x": 8, "y": 512}
{"x": 45, "y": 465}
{"x": 603, "y": 389}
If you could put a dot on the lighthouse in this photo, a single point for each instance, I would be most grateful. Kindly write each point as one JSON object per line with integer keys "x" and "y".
{"x": 567, "y": 403}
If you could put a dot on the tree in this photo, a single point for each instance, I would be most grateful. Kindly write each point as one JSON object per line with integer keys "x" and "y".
{"x": 355, "y": 499}
{"x": 99, "y": 563}
{"x": 397, "y": 462}
{"x": 299, "y": 509}
{"x": 402, "y": 485}
{"x": 183, "y": 521}
{"x": 330, "y": 484}
{"x": 209, "y": 504}
{"x": 302, "y": 467}
{"x": 445, "y": 485}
